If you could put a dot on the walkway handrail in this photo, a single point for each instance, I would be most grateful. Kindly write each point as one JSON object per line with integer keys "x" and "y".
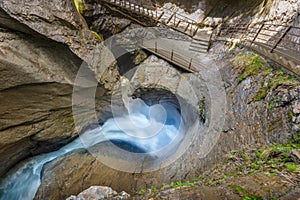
{"x": 276, "y": 36}
{"x": 184, "y": 62}
{"x": 189, "y": 24}
{"x": 280, "y": 43}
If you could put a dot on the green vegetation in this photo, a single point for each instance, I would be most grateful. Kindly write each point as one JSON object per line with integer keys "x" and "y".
{"x": 154, "y": 190}
{"x": 250, "y": 64}
{"x": 80, "y": 6}
{"x": 142, "y": 191}
{"x": 277, "y": 78}
{"x": 253, "y": 198}
{"x": 270, "y": 161}
{"x": 271, "y": 106}
{"x": 97, "y": 36}
{"x": 244, "y": 193}
{"x": 240, "y": 190}
{"x": 70, "y": 121}
{"x": 291, "y": 167}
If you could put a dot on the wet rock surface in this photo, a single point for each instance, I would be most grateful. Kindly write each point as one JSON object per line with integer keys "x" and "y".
{"x": 41, "y": 52}
{"x": 247, "y": 122}
{"x": 56, "y": 20}
{"x": 38, "y": 67}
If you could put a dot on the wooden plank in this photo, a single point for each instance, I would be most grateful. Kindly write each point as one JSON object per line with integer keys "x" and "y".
{"x": 166, "y": 56}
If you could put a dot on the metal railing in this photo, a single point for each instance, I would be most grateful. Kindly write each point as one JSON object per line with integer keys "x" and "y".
{"x": 185, "y": 62}
{"x": 283, "y": 39}
{"x": 172, "y": 19}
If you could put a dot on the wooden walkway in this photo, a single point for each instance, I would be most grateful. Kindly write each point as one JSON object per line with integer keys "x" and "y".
{"x": 158, "y": 48}
{"x": 200, "y": 40}
{"x": 171, "y": 19}
{"x": 280, "y": 43}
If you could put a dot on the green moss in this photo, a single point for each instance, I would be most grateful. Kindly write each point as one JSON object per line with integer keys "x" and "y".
{"x": 291, "y": 167}
{"x": 249, "y": 63}
{"x": 97, "y": 36}
{"x": 253, "y": 198}
{"x": 177, "y": 184}
{"x": 279, "y": 78}
{"x": 271, "y": 106}
{"x": 241, "y": 78}
{"x": 142, "y": 191}
{"x": 261, "y": 94}
{"x": 154, "y": 190}
{"x": 70, "y": 121}
{"x": 240, "y": 190}
{"x": 80, "y": 6}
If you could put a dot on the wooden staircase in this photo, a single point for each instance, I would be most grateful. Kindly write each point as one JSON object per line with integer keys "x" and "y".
{"x": 200, "y": 39}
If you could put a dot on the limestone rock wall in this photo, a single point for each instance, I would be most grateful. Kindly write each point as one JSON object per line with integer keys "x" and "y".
{"x": 42, "y": 46}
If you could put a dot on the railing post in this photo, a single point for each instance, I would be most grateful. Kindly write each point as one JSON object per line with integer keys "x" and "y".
{"x": 156, "y": 11}
{"x": 178, "y": 23}
{"x": 170, "y": 18}
{"x": 233, "y": 31}
{"x": 187, "y": 27}
{"x": 172, "y": 54}
{"x": 190, "y": 65}
{"x": 196, "y": 31}
{"x": 174, "y": 19}
{"x": 155, "y": 47}
{"x": 281, "y": 38}
{"x": 246, "y": 30}
{"x": 160, "y": 16}
{"x": 259, "y": 30}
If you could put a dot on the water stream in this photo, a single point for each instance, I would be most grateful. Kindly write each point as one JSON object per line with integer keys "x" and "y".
{"x": 144, "y": 129}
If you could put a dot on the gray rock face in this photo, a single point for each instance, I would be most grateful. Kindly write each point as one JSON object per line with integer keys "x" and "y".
{"x": 57, "y": 20}
{"x": 246, "y": 122}
{"x": 99, "y": 192}
{"x": 36, "y": 94}
{"x": 41, "y": 50}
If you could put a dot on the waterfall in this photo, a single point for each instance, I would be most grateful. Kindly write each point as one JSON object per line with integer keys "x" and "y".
{"x": 143, "y": 129}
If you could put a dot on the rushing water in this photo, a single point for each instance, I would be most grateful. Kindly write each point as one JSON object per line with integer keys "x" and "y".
{"x": 144, "y": 129}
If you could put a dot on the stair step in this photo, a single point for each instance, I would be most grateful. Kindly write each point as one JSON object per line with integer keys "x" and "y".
{"x": 198, "y": 47}
{"x": 198, "y": 50}
{"x": 200, "y": 42}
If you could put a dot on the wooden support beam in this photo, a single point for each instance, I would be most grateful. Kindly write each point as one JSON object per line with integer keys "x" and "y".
{"x": 195, "y": 32}
{"x": 281, "y": 38}
{"x": 190, "y": 65}
{"x": 175, "y": 19}
{"x": 187, "y": 27}
{"x": 168, "y": 21}
{"x": 259, "y": 30}
{"x": 178, "y": 23}
{"x": 160, "y": 16}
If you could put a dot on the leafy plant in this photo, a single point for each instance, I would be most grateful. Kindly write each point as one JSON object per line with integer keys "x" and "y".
{"x": 291, "y": 167}
{"x": 154, "y": 189}
{"x": 271, "y": 106}
{"x": 142, "y": 191}
{"x": 250, "y": 64}
{"x": 253, "y": 198}
{"x": 177, "y": 184}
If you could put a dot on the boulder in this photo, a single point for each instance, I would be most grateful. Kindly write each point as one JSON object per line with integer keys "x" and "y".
{"x": 99, "y": 192}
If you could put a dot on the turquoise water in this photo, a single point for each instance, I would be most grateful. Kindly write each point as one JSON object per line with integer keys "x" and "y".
{"x": 143, "y": 129}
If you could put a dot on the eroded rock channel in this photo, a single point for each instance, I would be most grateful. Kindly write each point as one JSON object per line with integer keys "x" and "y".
{"x": 76, "y": 112}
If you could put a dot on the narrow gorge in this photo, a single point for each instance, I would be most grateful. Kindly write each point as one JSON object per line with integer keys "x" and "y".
{"x": 111, "y": 99}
